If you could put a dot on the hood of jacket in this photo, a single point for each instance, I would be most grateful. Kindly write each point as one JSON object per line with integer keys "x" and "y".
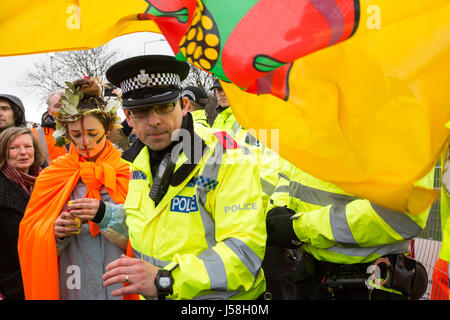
{"x": 19, "y": 109}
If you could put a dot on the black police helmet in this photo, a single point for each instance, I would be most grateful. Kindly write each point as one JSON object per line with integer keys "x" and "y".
{"x": 196, "y": 94}
{"x": 148, "y": 80}
{"x": 216, "y": 84}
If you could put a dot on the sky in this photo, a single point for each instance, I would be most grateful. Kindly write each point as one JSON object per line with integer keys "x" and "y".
{"x": 13, "y": 69}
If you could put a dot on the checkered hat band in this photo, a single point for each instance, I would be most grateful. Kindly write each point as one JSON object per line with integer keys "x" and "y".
{"x": 149, "y": 80}
{"x": 188, "y": 93}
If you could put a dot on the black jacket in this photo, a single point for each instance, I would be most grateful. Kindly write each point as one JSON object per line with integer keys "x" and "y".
{"x": 13, "y": 202}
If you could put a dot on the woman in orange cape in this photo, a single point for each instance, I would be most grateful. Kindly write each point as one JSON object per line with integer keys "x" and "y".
{"x": 55, "y": 262}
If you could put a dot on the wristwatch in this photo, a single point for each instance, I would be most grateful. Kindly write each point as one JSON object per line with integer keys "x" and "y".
{"x": 163, "y": 283}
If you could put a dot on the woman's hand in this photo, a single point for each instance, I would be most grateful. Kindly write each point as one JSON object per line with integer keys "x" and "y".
{"x": 65, "y": 226}
{"x": 85, "y": 208}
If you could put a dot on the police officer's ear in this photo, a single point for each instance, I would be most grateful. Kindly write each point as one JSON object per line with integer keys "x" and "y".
{"x": 184, "y": 105}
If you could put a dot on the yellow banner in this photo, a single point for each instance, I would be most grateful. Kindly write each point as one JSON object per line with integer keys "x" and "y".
{"x": 367, "y": 114}
{"x": 57, "y": 25}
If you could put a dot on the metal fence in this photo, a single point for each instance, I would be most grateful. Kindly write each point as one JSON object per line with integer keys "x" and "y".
{"x": 427, "y": 245}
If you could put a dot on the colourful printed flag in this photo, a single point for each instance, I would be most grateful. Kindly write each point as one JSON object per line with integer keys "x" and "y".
{"x": 367, "y": 112}
{"x": 357, "y": 88}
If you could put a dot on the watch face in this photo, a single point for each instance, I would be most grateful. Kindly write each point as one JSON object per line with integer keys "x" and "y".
{"x": 164, "y": 282}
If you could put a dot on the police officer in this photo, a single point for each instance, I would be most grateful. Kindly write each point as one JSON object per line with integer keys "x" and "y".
{"x": 225, "y": 119}
{"x": 195, "y": 219}
{"x": 278, "y": 263}
{"x": 352, "y": 248}
{"x": 197, "y": 101}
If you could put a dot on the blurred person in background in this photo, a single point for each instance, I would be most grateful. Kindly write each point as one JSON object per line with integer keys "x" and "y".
{"x": 20, "y": 161}
{"x": 45, "y": 132}
{"x": 197, "y": 101}
{"x": 12, "y": 112}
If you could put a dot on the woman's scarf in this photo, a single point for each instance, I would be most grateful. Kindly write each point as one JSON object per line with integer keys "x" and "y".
{"x": 53, "y": 187}
{"x": 23, "y": 180}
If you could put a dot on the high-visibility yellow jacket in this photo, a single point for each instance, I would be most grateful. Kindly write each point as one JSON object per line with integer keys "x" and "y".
{"x": 341, "y": 228}
{"x": 269, "y": 163}
{"x": 445, "y": 205}
{"x": 199, "y": 117}
{"x": 210, "y": 224}
{"x": 225, "y": 120}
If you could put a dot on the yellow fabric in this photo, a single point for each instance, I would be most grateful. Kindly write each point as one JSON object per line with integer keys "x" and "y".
{"x": 53, "y": 25}
{"x": 225, "y": 120}
{"x": 368, "y": 114}
{"x": 365, "y": 114}
{"x": 199, "y": 117}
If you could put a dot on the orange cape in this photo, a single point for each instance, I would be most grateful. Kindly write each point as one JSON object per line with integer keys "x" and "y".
{"x": 37, "y": 244}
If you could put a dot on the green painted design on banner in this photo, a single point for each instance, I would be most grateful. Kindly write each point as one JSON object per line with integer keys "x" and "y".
{"x": 264, "y": 63}
{"x": 181, "y": 15}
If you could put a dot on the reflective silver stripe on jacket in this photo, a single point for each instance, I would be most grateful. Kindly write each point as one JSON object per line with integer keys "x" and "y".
{"x": 399, "y": 247}
{"x": 216, "y": 268}
{"x": 267, "y": 187}
{"x": 217, "y": 276}
{"x": 284, "y": 189}
{"x": 249, "y": 258}
{"x": 398, "y": 221}
{"x": 156, "y": 262}
{"x": 339, "y": 226}
{"x": 211, "y": 171}
{"x": 236, "y": 128}
{"x": 317, "y": 196}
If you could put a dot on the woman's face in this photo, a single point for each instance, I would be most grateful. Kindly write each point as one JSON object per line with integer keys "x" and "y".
{"x": 88, "y": 136}
{"x": 21, "y": 153}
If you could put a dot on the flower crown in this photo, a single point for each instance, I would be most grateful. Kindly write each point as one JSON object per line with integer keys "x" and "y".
{"x": 70, "y": 111}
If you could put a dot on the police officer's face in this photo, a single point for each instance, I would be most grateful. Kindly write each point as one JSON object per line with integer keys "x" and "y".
{"x": 155, "y": 129}
{"x": 6, "y": 114}
{"x": 222, "y": 97}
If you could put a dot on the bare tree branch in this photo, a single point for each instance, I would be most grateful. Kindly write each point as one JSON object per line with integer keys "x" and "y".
{"x": 51, "y": 74}
{"x": 202, "y": 79}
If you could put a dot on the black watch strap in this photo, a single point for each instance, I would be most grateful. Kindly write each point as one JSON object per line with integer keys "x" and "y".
{"x": 164, "y": 283}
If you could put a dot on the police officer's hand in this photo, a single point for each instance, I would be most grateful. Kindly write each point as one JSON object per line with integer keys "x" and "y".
{"x": 138, "y": 274}
{"x": 280, "y": 231}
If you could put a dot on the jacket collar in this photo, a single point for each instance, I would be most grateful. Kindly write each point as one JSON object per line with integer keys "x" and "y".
{"x": 221, "y": 109}
{"x": 132, "y": 152}
{"x": 138, "y": 154}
